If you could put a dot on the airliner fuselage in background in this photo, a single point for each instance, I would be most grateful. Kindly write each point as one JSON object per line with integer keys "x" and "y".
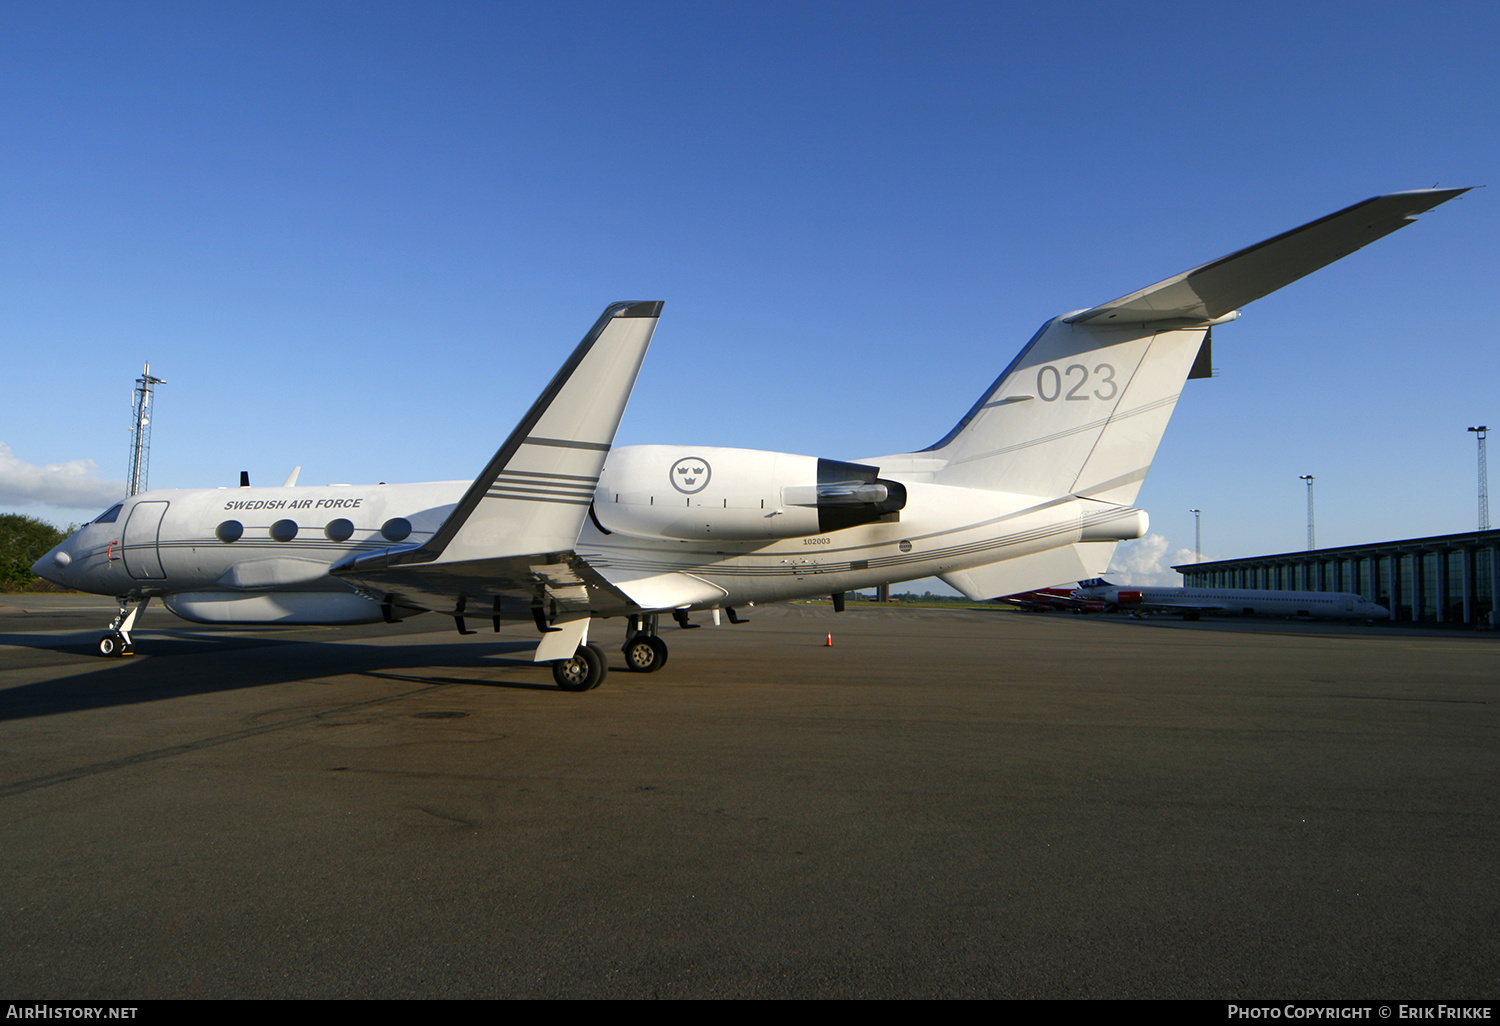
{"x": 1035, "y": 485}
{"x": 1049, "y": 600}
{"x": 1194, "y": 602}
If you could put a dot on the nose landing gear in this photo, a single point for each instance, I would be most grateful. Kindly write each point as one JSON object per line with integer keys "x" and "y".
{"x": 116, "y": 641}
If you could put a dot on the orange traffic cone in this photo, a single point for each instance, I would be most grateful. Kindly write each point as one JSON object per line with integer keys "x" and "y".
{"x": 829, "y": 642}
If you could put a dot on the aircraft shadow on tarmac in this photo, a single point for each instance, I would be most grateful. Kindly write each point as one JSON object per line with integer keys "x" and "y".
{"x": 180, "y": 666}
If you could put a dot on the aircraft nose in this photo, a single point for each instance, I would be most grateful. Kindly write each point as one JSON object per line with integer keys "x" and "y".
{"x": 51, "y": 566}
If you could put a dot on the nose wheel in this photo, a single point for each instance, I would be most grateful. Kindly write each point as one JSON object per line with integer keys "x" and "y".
{"x": 114, "y": 644}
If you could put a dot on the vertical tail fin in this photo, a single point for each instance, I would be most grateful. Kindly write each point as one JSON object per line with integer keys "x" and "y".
{"x": 1080, "y": 411}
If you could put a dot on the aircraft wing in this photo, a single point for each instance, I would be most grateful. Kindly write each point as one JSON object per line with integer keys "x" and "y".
{"x": 510, "y": 540}
{"x": 1209, "y": 292}
{"x": 1180, "y": 607}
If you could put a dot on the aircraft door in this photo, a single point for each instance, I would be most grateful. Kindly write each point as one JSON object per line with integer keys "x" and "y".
{"x": 139, "y": 547}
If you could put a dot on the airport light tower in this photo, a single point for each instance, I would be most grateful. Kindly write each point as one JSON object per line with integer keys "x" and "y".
{"x": 1197, "y": 535}
{"x": 1481, "y": 432}
{"x": 140, "y": 430}
{"x": 1311, "y": 538}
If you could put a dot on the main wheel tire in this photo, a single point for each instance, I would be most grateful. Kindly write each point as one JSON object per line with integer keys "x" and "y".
{"x": 111, "y": 644}
{"x": 645, "y": 653}
{"x": 603, "y": 664}
{"x": 583, "y": 672}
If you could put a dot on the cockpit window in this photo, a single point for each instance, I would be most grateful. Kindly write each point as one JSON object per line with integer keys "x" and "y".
{"x": 108, "y": 516}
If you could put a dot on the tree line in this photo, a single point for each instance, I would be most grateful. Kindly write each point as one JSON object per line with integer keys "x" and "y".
{"x": 23, "y": 541}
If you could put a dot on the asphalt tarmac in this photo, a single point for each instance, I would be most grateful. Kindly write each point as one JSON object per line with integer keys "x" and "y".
{"x": 942, "y": 804}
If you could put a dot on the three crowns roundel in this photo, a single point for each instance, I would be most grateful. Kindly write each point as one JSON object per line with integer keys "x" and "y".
{"x": 690, "y": 475}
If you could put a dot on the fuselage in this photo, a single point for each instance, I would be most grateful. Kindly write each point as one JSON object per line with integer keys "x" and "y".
{"x": 219, "y": 555}
{"x": 1333, "y": 605}
{"x": 1053, "y": 599}
{"x": 255, "y": 555}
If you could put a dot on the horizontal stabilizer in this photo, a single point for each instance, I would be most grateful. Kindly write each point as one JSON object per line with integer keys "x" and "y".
{"x": 1209, "y": 292}
{"x": 1028, "y": 573}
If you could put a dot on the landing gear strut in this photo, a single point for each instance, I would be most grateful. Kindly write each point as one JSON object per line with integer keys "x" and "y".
{"x": 644, "y": 651}
{"x": 116, "y": 641}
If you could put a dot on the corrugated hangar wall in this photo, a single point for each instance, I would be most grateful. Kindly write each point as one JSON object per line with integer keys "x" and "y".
{"x": 1451, "y": 578}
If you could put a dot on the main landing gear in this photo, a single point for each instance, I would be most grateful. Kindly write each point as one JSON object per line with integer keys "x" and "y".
{"x": 584, "y": 672}
{"x": 644, "y": 651}
{"x": 116, "y": 641}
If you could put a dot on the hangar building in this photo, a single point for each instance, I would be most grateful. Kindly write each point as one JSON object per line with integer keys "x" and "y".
{"x": 1451, "y": 578}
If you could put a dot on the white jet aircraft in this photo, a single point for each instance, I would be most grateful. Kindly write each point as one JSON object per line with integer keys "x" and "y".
{"x": 1194, "y": 602}
{"x": 1034, "y": 485}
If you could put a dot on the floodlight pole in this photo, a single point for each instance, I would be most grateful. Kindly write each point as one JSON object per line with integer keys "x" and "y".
{"x": 140, "y": 430}
{"x": 1481, "y": 432}
{"x": 1197, "y": 535}
{"x": 1311, "y": 541}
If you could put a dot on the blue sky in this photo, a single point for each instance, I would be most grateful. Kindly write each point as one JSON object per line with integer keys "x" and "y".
{"x": 361, "y": 237}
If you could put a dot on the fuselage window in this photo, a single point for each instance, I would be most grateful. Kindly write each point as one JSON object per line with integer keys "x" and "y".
{"x": 284, "y": 530}
{"x": 339, "y": 530}
{"x": 396, "y": 529}
{"x": 229, "y": 531}
{"x": 108, "y": 516}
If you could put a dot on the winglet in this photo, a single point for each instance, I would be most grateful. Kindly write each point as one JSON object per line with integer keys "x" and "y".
{"x": 1216, "y": 289}
{"x": 534, "y": 493}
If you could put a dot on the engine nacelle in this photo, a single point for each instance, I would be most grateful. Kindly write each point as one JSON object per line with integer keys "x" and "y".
{"x": 702, "y": 494}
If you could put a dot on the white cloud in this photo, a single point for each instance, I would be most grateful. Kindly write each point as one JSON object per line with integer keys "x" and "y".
{"x": 1144, "y": 563}
{"x": 71, "y": 485}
